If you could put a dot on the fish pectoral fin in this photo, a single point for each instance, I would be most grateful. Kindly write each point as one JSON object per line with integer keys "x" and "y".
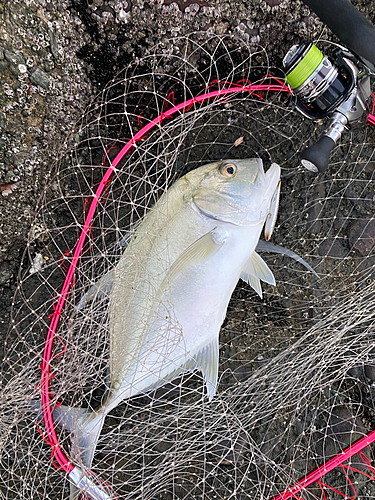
{"x": 207, "y": 360}
{"x": 203, "y": 248}
{"x": 267, "y": 246}
{"x": 255, "y": 270}
{"x": 101, "y": 289}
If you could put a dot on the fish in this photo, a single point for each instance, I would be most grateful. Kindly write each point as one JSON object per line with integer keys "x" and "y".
{"x": 169, "y": 292}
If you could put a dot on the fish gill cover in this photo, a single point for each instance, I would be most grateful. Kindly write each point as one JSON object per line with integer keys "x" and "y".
{"x": 296, "y": 368}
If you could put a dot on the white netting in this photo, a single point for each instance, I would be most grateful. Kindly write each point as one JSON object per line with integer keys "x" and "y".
{"x": 296, "y": 368}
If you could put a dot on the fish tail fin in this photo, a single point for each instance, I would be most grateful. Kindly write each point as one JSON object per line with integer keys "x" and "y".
{"x": 85, "y": 428}
{"x": 84, "y": 439}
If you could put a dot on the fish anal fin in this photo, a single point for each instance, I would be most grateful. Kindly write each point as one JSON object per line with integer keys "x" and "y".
{"x": 206, "y": 360}
{"x": 254, "y": 282}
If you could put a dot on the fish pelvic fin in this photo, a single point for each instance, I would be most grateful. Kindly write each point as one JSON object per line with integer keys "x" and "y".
{"x": 255, "y": 270}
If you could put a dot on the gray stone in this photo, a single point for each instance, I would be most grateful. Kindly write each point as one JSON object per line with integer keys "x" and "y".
{"x": 5, "y": 272}
{"x": 361, "y": 235}
{"x": 356, "y": 371}
{"x": 40, "y": 77}
{"x": 332, "y": 247}
{"x": 53, "y": 44}
{"x": 342, "y": 429}
{"x": 13, "y": 58}
{"x": 273, "y": 3}
{"x": 370, "y": 371}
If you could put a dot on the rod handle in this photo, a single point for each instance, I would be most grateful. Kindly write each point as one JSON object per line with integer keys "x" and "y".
{"x": 316, "y": 157}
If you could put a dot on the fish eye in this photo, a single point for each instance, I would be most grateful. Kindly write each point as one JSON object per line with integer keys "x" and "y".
{"x": 228, "y": 170}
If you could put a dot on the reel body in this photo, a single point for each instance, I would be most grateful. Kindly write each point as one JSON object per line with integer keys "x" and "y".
{"x": 322, "y": 88}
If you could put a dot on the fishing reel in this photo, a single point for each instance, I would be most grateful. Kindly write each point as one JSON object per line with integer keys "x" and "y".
{"x": 324, "y": 88}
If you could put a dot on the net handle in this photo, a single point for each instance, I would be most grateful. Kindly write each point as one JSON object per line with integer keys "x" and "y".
{"x": 57, "y": 452}
{"x": 321, "y": 471}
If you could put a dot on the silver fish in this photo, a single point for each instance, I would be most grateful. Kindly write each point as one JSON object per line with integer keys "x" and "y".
{"x": 170, "y": 290}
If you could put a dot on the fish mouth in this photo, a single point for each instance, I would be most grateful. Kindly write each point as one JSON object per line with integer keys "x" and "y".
{"x": 270, "y": 178}
{"x": 268, "y": 183}
{"x": 272, "y": 215}
{"x": 261, "y": 174}
{"x": 274, "y": 183}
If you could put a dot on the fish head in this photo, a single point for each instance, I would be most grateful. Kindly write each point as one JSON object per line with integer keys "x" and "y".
{"x": 238, "y": 192}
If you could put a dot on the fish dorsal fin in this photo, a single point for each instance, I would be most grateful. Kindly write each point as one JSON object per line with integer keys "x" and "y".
{"x": 255, "y": 270}
{"x": 207, "y": 360}
{"x": 204, "y": 247}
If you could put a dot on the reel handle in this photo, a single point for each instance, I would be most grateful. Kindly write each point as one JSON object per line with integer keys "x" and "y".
{"x": 316, "y": 157}
{"x": 354, "y": 30}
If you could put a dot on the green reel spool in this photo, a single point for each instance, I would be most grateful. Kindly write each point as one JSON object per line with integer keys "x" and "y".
{"x": 305, "y": 68}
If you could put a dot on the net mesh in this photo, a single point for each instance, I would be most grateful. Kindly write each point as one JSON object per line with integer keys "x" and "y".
{"x": 296, "y": 374}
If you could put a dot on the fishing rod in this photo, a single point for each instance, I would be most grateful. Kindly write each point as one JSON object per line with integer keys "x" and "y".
{"x": 336, "y": 89}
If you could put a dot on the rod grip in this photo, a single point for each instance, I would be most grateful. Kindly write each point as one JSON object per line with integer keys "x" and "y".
{"x": 354, "y": 30}
{"x": 316, "y": 157}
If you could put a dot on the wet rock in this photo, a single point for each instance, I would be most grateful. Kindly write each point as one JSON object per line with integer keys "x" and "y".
{"x": 273, "y": 3}
{"x": 53, "y": 44}
{"x": 221, "y": 28}
{"x": 315, "y": 214}
{"x": 230, "y": 451}
{"x": 343, "y": 428}
{"x": 359, "y": 199}
{"x": 361, "y": 235}
{"x": 370, "y": 371}
{"x": 356, "y": 371}
{"x": 271, "y": 448}
{"x": 332, "y": 247}
{"x": 13, "y": 58}
{"x": 5, "y": 272}
{"x": 39, "y": 77}
{"x": 34, "y": 120}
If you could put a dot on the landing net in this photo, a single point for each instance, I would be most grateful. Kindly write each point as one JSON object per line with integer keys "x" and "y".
{"x": 296, "y": 367}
